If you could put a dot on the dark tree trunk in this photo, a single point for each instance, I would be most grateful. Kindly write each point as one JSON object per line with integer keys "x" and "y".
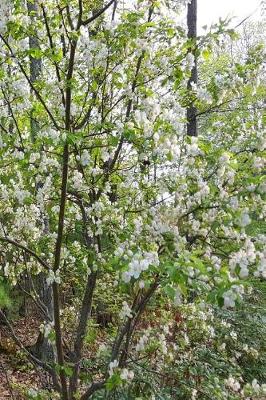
{"x": 42, "y": 348}
{"x": 192, "y": 129}
{"x": 35, "y": 64}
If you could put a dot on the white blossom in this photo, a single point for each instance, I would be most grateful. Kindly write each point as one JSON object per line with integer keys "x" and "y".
{"x": 126, "y": 311}
{"x": 233, "y": 384}
{"x": 85, "y": 158}
{"x": 142, "y": 342}
{"x": 126, "y": 375}
{"x": 140, "y": 263}
{"x": 112, "y": 366}
{"x": 53, "y": 277}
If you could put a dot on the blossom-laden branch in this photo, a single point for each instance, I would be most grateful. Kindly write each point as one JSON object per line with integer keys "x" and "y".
{"x": 37, "y": 93}
{"x": 27, "y": 250}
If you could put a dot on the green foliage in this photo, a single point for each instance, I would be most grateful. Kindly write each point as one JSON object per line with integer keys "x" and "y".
{"x": 5, "y": 300}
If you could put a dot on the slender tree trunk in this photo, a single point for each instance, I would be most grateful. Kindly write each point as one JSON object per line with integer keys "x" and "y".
{"x": 42, "y": 348}
{"x": 192, "y": 128}
{"x": 35, "y": 64}
{"x": 61, "y": 221}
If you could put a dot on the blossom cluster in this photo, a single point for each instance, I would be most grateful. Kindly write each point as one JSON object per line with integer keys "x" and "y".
{"x": 140, "y": 262}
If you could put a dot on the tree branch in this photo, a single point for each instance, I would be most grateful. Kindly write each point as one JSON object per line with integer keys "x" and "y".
{"x": 86, "y": 306}
{"x": 61, "y": 220}
{"x": 97, "y": 14}
{"x": 27, "y": 250}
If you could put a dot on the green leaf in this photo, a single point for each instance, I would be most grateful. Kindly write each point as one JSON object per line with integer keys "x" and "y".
{"x": 170, "y": 291}
{"x": 35, "y": 52}
{"x": 113, "y": 382}
{"x": 206, "y": 54}
{"x": 5, "y": 300}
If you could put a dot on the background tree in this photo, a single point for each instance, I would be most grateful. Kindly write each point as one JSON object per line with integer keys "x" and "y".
{"x": 192, "y": 36}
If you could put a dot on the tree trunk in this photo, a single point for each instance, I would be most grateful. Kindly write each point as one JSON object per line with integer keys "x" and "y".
{"x": 42, "y": 348}
{"x": 192, "y": 129}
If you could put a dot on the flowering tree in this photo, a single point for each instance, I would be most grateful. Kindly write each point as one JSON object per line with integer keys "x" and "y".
{"x": 100, "y": 186}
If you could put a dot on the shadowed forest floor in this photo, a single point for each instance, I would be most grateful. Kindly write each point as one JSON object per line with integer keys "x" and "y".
{"x": 15, "y": 372}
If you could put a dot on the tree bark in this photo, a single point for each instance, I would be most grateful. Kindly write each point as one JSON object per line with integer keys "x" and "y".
{"x": 192, "y": 128}
{"x": 42, "y": 348}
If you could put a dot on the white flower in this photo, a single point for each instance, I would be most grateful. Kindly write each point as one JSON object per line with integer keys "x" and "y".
{"x": 21, "y": 195}
{"x": 163, "y": 344}
{"x": 261, "y": 271}
{"x": 255, "y": 385}
{"x": 193, "y": 148}
{"x": 2, "y": 144}
{"x": 85, "y": 158}
{"x": 224, "y": 158}
{"x": 4, "y": 10}
{"x": 46, "y": 328}
{"x": 244, "y": 219}
{"x": 258, "y": 163}
{"x": 233, "y": 335}
{"x": 141, "y": 284}
{"x": 32, "y": 392}
{"x": 253, "y": 352}
{"x": 194, "y": 394}
{"x": 244, "y": 257}
{"x": 190, "y": 61}
{"x": 233, "y": 384}
{"x": 229, "y": 299}
{"x": 141, "y": 118}
{"x": 222, "y": 347}
{"x": 6, "y": 269}
{"x": 139, "y": 263}
{"x": 262, "y": 188}
{"x": 126, "y": 311}
{"x": 126, "y": 276}
{"x": 234, "y": 202}
{"x": 126, "y": 375}
{"x": 77, "y": 180}
{"x": 142, "y": 342}
{"x": 243, "y": 273}
{"x": 112, "y": 366}
{"x": 202, "y": 93}
{"x": 53, "y": 277}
